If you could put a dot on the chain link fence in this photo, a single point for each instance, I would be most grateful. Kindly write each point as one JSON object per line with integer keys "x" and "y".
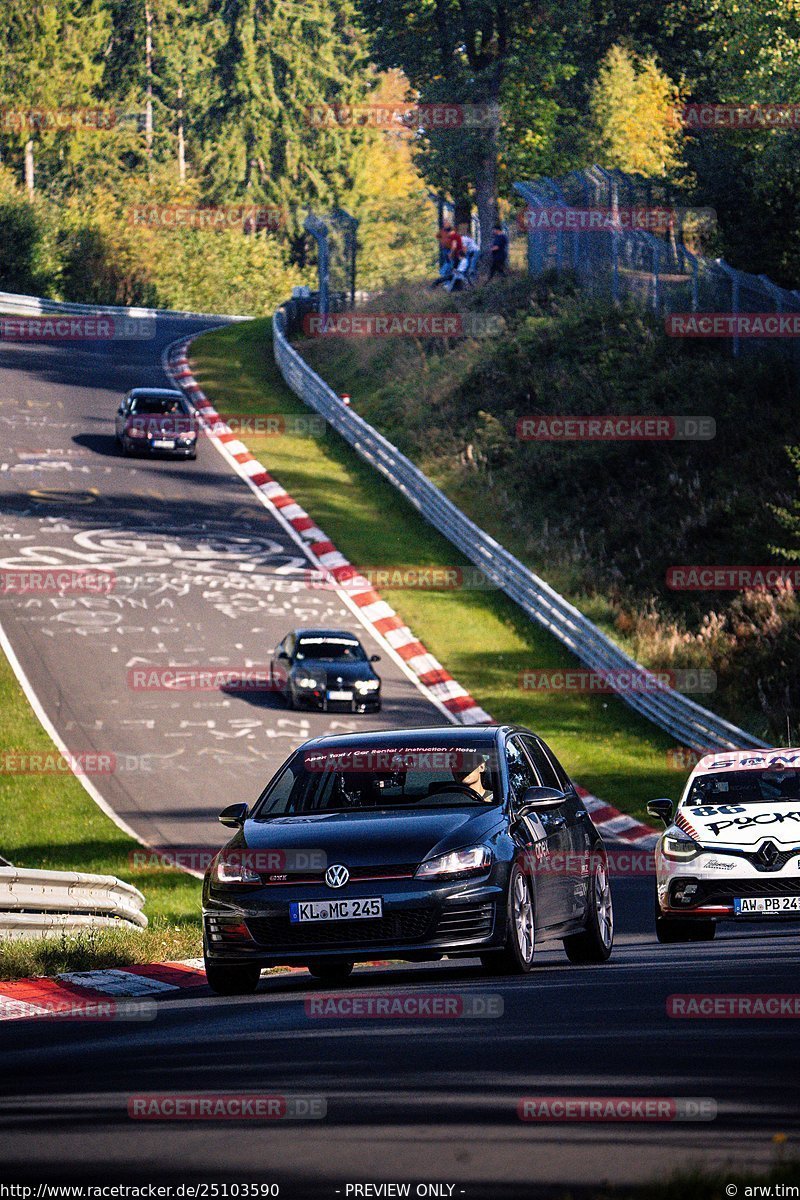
{"x": 627, "y": 237}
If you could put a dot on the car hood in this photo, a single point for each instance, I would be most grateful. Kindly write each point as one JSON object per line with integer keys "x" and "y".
{"x": 348, "y": 672}
{"x": 744, "y": 826}
{"x": 376, "y": 839}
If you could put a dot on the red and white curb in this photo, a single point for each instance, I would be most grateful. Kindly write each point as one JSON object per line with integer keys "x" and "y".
{"x": 99, "y": 995}
{"x": 418, "y": 663}
{"x": 127, "y": 993}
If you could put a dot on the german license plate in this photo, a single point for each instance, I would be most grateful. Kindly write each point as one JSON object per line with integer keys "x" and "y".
{"x": 163, "y": 444}
{"x": 766, "y": 904}
{"x": 335, "y": 910}
{"x": 340, "y": 695}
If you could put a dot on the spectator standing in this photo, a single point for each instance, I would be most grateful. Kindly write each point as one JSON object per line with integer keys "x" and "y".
{"x": 498, "y": 252}
{"x": 445, "y": 237}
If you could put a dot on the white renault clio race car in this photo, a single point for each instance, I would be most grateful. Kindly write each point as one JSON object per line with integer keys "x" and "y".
{"x": 731, "y": 850}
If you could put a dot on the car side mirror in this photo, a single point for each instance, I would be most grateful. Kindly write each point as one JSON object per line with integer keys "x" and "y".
{"x": 662, "y": 809}
{"x": 374, "y": 658}
{"x": 539, "y": 799}
{"x": 121, "y": 410}
{"x": 234, "y": 816}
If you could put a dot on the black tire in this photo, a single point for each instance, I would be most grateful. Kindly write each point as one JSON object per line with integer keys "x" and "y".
{"x": 516, "y": 958}
{"x": 233, "y": 980}
{"x": 330, "y": 972}
{"x": 125, "y": 449}
{"x": 671, "y": 930}
{"x": 594, "y": 945}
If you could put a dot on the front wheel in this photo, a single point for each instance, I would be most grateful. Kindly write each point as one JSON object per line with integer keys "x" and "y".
{"x": 516, "y": 958}
{"x": 671, "y": 930}
{"x": 232, "y": 980}
{"x": 595, "y": 943}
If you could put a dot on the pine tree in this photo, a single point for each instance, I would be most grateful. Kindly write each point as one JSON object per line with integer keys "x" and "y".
{"x": 282, "y": 62}
{"x": 50, "y": 62}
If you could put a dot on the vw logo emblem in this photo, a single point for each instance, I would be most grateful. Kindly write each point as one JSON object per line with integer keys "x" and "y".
{"x": 337, "y": 875}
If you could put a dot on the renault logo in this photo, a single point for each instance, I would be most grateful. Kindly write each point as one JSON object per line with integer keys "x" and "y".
{"x": 768, "y": 854}
{"x": 337, "y": 875}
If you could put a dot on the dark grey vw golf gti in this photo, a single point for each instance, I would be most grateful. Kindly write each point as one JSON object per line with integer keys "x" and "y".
{"x": 411, "y": 844}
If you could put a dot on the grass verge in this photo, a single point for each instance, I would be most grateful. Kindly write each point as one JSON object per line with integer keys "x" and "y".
{"x": 50, "y": 822}
{"x": 481, "y": 637}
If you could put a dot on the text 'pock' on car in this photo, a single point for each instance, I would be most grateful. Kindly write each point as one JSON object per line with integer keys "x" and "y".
{"x": 410, "y": 844}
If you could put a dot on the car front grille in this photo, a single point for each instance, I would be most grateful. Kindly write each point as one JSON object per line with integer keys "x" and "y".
{"x": 357, "y": 874}
{"x": 779, "y": 862}
{"x": 711, "y": 891}
{"x": 277, "y": 932}
{"x": 469, "y": 922}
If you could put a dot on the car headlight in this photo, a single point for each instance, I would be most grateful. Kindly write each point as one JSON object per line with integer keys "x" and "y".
{"x": 457, "y": 862}
{"x": 136, "y": 431}
{"x": 232, "y": 869}
{"x": 679, "y": 845}
{"x": 307, "y": 681}
{"x": 191, "y": 436}
{"x": 367, "y": 685}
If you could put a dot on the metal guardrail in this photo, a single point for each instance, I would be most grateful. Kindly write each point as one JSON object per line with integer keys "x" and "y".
{"x": 34, "y": 306}
{"x": 34, "y": 902}
{"x": 691, "y": 724}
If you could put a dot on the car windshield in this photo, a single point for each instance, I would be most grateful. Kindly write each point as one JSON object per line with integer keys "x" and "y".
{"x": 328, "y": 649}
{"x": 745, "y": 787}
{"x": 156, "y": 405}
{"x": 354, "y": 779}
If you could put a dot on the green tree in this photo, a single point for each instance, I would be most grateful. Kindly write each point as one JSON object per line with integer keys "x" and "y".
{"x": 50, "y": 61}
{"x": 789, "y": 517}
{"x": 283, "y": 64}
{"x": 464, "y": 52}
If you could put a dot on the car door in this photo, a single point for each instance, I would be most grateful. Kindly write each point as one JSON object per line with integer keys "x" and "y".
{"x": 581, "y": 833}
{"x": 532, "y": 835}
{"x": 557, "y": 824}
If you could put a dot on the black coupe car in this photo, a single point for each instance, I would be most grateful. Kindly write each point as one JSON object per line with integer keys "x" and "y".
{"x": 326, "y": 669}
{"x": 411, "y": 844}
{"x": 156, "y": 421}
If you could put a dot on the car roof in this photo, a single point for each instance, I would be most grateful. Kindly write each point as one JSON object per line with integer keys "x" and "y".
{"x": 746, "y": 760}
{"x": 388, "y": 739}
{"x": 154, "y": 391}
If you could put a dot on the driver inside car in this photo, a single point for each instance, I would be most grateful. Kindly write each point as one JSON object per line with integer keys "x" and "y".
{"x": 474, "y": 777}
